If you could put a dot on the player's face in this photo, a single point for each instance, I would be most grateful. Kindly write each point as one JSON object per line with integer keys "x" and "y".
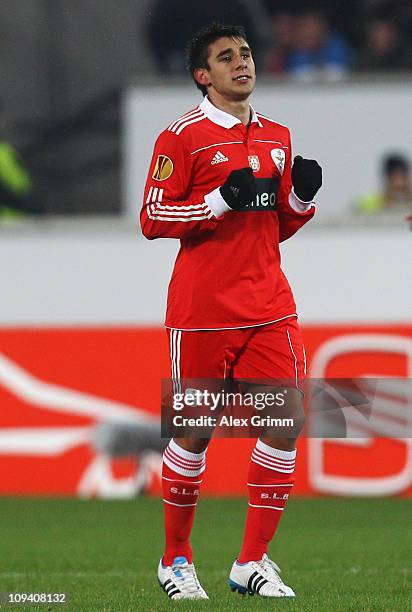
{"x": 231, "y": 71}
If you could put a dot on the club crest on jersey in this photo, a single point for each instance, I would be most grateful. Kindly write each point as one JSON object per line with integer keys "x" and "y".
{"x": 163, "y": 168}
{"x": 278, "y": 156}
{"x": 254, "y": 162}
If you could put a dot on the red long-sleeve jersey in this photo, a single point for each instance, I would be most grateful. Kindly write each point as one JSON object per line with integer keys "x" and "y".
{"x": 227, "y": 273}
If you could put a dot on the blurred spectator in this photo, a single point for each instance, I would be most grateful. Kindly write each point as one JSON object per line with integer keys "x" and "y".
{"x": 172, "y": 23}
{"x": 396, "y": 193}
{"x": 385, "y": 47}
{"x": 16, "y": 192}
{"x": 282, "y": 31}
{"x": 317, "y": 52}
{"x": 344, "y": 17}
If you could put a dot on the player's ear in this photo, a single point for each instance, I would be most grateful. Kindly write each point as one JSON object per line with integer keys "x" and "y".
{"x": 202, "y": 76}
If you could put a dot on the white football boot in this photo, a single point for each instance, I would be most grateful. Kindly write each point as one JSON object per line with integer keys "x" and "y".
{"x": 260, "y": 577}
{"x": 179, "y": 580}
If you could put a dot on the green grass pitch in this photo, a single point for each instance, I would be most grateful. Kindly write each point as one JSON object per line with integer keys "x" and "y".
{"x": 338, "y": 554}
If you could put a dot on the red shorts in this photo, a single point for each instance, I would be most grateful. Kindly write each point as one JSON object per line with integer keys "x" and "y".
{"x": 267, "y": 352}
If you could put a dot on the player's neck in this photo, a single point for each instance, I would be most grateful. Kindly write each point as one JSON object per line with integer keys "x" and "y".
{"x": 238, "y": 108}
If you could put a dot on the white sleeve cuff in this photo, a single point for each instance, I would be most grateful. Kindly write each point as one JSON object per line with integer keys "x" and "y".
{"x": 216, "y": 203}
{"x": 299, "y": 205}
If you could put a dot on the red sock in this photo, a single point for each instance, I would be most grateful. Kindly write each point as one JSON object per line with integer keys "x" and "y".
{"x": 269, "y": 484}
{"x": 181, "y": 483}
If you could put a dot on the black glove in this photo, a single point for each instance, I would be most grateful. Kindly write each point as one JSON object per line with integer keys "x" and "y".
{"x": 306, "y": 178}
{"x": 239, "y": 188}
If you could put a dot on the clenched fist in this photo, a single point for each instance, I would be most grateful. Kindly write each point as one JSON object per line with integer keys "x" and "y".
{"x": 306, "y": 178}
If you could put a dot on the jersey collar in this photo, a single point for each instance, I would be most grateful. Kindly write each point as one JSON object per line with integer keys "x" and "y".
{"x": 221, "y": 117}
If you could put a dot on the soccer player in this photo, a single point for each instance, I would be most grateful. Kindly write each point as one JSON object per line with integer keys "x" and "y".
{"x": 221, "y": 181}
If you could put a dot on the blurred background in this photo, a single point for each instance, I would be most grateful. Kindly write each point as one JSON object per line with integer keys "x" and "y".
{"x": 66, "y": 68}
{"x": 86, "y": 88}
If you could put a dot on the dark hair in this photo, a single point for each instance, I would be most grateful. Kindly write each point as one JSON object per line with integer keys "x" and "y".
{"x": 394, "y": 161}
{"x": 197, "y": 50}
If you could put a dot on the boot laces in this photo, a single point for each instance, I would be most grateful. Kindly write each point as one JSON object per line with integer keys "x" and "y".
{"x": 270, "y": 570}
{"x": 185, "y": 578}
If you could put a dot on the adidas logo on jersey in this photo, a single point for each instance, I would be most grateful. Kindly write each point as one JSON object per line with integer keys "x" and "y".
{"x": 219, "y": 158}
